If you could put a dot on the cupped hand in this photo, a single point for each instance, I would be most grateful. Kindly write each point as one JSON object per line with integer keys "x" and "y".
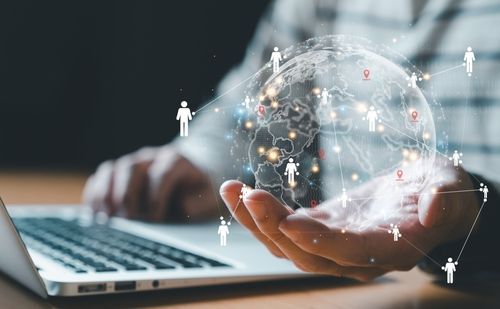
{"x": 355, "y": 241}
{"x": 151, "y": 184}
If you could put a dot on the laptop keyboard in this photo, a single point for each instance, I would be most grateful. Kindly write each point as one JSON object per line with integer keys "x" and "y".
{"x": 99, "y": 248}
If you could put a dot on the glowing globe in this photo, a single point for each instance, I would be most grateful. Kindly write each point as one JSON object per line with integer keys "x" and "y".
{"x": 339, "y": 112}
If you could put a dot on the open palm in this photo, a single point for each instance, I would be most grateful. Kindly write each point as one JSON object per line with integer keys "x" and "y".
{"x": 355, "y": 241}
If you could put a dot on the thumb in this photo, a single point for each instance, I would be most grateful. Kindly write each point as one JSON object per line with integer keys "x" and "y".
{"x": 230, "y": 192}
{"x": 439, "y": 208}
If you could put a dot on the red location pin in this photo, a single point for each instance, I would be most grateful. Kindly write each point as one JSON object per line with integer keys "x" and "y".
{"x": 414, "y": 115}
{"x": 400, "y": 174}
{"x": 366, "y": 73}
{"x": 314, "y": 203}
{"x": 262, "y": 110}
{"x": 321, "y": 154}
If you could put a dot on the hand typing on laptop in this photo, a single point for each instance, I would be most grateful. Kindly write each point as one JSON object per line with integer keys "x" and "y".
{"x": 153, "y": 184}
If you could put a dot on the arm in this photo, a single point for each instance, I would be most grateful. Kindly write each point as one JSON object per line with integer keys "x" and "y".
{"x": 178, "y": 115}
{"x": 190, "y": 117}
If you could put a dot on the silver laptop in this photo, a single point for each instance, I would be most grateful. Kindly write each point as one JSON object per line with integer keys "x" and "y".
{"x": 62, "y": 251}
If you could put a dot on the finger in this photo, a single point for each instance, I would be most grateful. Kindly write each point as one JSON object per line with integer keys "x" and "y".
{"x": 267, "y": 212}
{"x": 99, "y": 187}
{"x": 165, "y": 175}
{"x": 130, "y": 181}
{"x": 230, "y": 192}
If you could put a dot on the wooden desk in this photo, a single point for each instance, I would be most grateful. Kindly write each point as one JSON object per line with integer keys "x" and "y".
{"x": 412, "y": 289}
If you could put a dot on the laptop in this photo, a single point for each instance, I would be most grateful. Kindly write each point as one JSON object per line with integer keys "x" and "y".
{"x": 63, "y": 251}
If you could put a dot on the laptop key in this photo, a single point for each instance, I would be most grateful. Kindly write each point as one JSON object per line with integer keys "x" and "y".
{"x": 105, "y": 269}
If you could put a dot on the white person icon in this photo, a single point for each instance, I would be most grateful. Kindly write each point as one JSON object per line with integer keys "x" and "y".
{"x": 484, "y": 189}
{"x": 372, "y": 117}
{"x": 291, "y": 171}
{"x": 344, "y": 198}
{"x": 276, "y": 58}
{"x": 449, "y": 268}
{"x": 245, "y": 190}
{"x": 394, "y": 230}
{"x": 184, "y": 116}
{"x": 456, "y": 157}
{"x": 223, "y": 231}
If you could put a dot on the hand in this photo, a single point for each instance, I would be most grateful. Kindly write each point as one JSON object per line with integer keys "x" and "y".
{"x": 152, "y": 184}
{"x": 353, "y": 241}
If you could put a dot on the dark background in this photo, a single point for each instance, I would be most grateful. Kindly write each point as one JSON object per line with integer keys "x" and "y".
{"x": 85, "y": 81}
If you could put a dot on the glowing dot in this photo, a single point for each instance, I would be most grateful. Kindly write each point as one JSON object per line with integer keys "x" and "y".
{"x": 343, "y": 231}
{"x": 434, "y": 190}
{"x": 426, "y": 135}
{"x": 316, "y": 91}
{"x": 292, "y": 134}
{"x": 394, "y": 40}
{"x": 426, "y": 76}
{"x": 273, "y": 154}
{"x": 405, "y": 163}
{"x": 381, "y": 128}
{"x": 413, "y": 156}
{"x": 297, "y": 109}
{"x": 274, "y": 104}
{"x": 262, "y": 98}
{"x": 354, "y": 177}
{"x": 271, "y": 92}
{"x": 315, "y": 168}
{"x": 279, "y": 79}
{"x": 216, "y": 109}
{"x": 261, "y": 150}
{"x": 333, "y": 115}
{"x": 361, "y": 108}
{"x": 293, "y": 184}
{"x": 248, "y": 124}
{"x": 405, "y": 153}
{"x": 337, "y": 149}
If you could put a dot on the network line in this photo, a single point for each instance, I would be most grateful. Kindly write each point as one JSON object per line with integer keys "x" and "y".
{"x": 421, "y": 251}
{"x": 226, "y": 92}
{"x": 465, "y": 116}
{"x": 471, "y": 229}
{"x": 447, "y": 70}
{"x": 235, "y": 209}
{"x": 338, "y": 153}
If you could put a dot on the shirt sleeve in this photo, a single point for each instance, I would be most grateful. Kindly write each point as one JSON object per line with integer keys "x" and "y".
{"x": 209, "y": 145}
{"x": 482, "y": 251}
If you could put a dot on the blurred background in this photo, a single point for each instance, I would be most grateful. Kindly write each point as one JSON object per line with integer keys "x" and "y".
{"x": 86, "y": 81}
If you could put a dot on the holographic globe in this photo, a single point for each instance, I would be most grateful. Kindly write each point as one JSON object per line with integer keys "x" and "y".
{"x": 339, "y": 112}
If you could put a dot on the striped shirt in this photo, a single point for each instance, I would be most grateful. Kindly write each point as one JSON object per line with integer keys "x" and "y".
{"x": 434, "y": 35}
